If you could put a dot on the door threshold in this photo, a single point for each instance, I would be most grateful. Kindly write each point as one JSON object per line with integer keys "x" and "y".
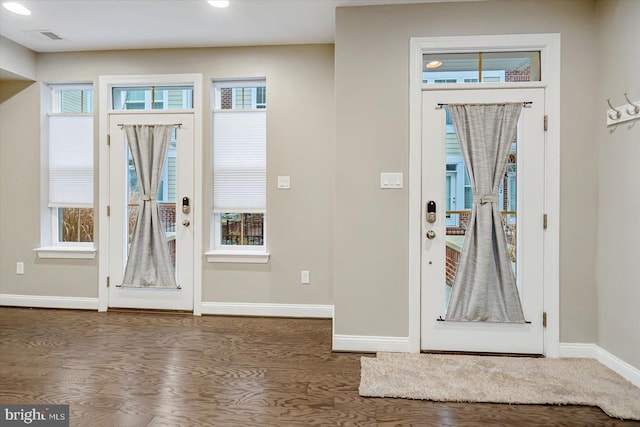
{"x": 147, "y": 311}
{"x": 479, "y": 353}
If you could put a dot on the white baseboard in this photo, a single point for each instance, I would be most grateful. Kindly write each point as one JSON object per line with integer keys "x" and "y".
{"x": 369, "y": 344}
{"x": 41, "y": 301}
{"x": 593, "y": 351}
{"x": 271, "y": 310}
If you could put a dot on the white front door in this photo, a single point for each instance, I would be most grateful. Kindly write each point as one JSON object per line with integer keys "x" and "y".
{"x": 177, "y": 185}
{"x": 522, "y": 205}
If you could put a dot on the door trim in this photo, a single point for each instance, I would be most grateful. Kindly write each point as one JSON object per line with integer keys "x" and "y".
{"x": 104, "y": 84}
{"x": 549, "y": 45}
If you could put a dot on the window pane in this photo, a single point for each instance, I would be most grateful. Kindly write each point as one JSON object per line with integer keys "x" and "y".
{"x": 164, "y": 98}
{"x": 449, "y": 67}
{"x": 76, "y": 101}
{"x": 495, "y": 66}
{"x": 136, "y": 95}
{"x": 176, "y": 97}
{"x": 516, "y": 66}
{"x": 75, "y": 224}
{"x": 241, "y": 97}
{"x": 129, "y": 98}
{"x": 242, "y": 229}
{"x": 261, "y": 97}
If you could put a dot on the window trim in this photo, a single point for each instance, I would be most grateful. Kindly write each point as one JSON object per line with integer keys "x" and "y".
{"x": 66, "y": 252}
{"x": 238, "y": 256}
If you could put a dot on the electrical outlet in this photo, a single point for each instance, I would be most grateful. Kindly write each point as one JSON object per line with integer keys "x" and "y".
{"x": 304, "y": 277}
{"x": 19, "y": 267}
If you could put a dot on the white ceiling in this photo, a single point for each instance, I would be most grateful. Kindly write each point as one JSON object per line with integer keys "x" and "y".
{"x": 137, "y": 24}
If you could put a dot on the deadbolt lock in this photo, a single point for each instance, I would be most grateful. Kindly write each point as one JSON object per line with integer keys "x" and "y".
{"x": 431, "y": 212}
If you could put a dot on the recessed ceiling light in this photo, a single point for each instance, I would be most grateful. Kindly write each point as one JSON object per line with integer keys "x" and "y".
{"x": 16, "y": 8}
{"x": 434, "y": 64}
{"x": 219, "y": 3}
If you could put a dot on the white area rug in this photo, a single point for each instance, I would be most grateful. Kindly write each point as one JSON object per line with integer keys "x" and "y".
{"x": 520, "y": 380}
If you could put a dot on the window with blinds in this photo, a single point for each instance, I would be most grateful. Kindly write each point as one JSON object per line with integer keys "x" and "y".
{"x": 70, "y": 164}
{"x": 239, "y": 163}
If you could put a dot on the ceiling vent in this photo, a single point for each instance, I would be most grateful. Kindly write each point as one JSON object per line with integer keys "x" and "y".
{"x": 52, "y": 36}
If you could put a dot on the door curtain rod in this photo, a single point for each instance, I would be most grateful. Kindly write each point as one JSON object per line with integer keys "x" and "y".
{"x": 178, "y": 125}
{"x": 526, "y": 104}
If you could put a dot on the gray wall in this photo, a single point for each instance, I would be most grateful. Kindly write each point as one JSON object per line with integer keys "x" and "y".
{"x": 372, "y": 45}
{"x": 20, "y": 207}
{"x": 301, "y": 143}
{"x": 16, "y": 61}
{"x": 619, "y": 192}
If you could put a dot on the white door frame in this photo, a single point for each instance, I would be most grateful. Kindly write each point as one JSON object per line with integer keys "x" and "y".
{"x": 105, "y": 85}
{"x": 549, "y": 46}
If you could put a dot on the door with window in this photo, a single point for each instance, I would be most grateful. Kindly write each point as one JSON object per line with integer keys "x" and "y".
{"x": 448, "y": 191}
{"x": 172, "y": 196}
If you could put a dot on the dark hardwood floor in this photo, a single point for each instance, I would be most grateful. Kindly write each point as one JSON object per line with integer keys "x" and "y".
{"x": 156, "y": 369}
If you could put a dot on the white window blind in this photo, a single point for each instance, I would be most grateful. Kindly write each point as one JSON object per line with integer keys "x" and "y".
{"x": 71, "y": 161}
{"x": 239, "y": 161}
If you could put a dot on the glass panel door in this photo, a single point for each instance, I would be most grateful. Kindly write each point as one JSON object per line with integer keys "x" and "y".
{"x": 177, "y": 223}
{"x": 521, "y": 202}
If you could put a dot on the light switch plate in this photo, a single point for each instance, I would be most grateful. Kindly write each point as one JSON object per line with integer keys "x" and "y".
{"x": 391, "y": 180}
{"x": 284, "y": 182}
{"x": 304, "y": 277}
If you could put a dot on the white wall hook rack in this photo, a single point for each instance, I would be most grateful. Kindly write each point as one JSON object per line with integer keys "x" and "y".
{"x": 624, "y": 113}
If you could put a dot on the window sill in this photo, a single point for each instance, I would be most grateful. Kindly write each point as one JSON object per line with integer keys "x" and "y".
{"x": 247, "y": 257}
{"x": 66, "y": 252}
